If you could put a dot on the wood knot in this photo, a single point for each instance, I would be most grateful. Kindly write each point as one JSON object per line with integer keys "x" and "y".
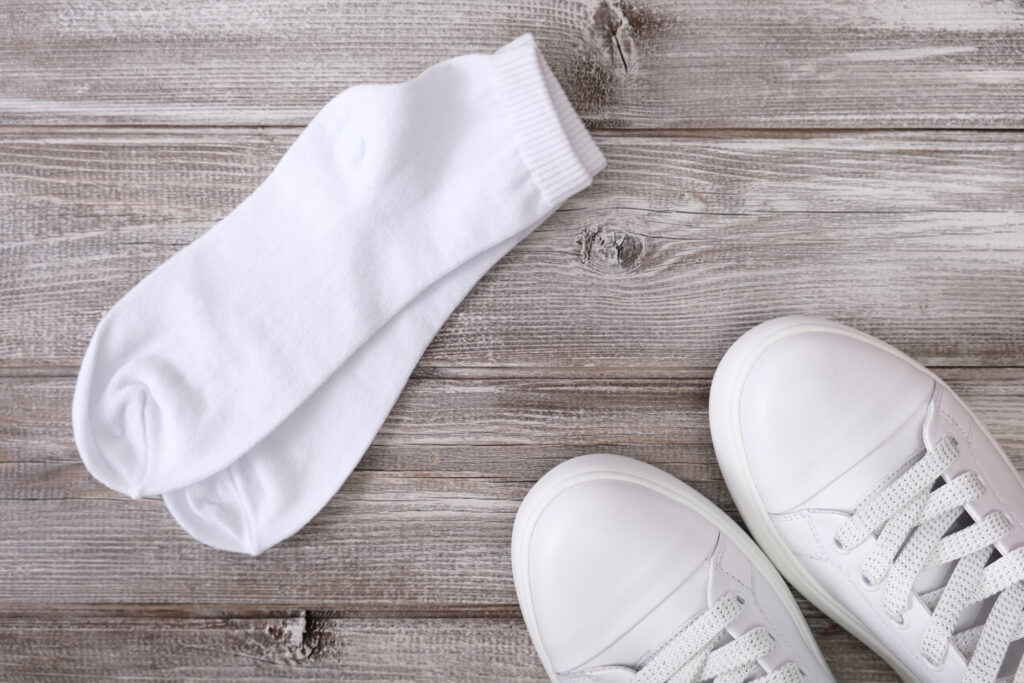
{"x": 619, "y": 28}
{"x": 609, "y": 54}
{"x": 295, "y": 640}
{"x": 610, "y": 249}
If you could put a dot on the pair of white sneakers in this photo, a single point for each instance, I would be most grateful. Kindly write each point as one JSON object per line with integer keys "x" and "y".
{"x": 867, "y": 483}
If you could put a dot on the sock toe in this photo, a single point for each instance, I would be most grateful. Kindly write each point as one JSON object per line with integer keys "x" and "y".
{"x": 110, "y": 432}
{"x": 212, "y": 513}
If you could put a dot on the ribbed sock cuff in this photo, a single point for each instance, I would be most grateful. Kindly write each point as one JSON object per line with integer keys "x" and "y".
{"x": 555, "y": 145}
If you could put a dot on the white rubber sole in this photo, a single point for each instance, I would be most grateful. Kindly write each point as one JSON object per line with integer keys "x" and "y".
{"x": 616, "y": 467}
{"x": 725, "y": 431}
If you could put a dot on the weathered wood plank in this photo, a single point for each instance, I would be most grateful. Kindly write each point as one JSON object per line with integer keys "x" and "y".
{"x": 425, "y": 521}
{"x": 680, "y": 246}
{"x": 635, "y": 63}
{"x": 425, "y": 524}
{"x": 304, "y": 646}
{"x": 308, "y": 646}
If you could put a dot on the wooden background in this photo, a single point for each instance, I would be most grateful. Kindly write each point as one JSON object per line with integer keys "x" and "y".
{"x": 858, "y": 159}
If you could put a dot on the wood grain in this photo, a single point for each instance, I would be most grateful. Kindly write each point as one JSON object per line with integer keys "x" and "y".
{"x": 424, "y": 522}
{"x": 749, "y": 176}
{"x": 305, "y": 645}
{"x": 625, "y": 64}
{"x": 302, "y": 646}
{"x": 680, "y": 246}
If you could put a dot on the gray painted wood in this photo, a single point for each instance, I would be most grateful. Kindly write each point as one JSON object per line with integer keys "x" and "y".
{"x": 681, "y": 245}
{"x": 301, "y": 646}
{"x": 305, "y": 645}
{"x": 424, "y": 522}
{"x": 127, "y": 130}
{"x": 635, "y": 63}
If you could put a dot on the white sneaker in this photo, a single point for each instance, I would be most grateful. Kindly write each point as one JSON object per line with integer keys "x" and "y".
{"x": 624, "y": 573}
{"x": 878, "y": 494}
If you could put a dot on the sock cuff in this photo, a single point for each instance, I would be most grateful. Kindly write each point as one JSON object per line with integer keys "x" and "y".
{"x": 555, "y": 145}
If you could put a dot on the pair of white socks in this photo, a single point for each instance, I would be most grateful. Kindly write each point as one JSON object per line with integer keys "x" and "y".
{"x": 245, "y": 377}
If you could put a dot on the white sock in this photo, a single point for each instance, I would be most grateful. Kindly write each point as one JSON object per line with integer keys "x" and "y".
{"x": 275, "y": 489}
{"x": 388, "y": 191}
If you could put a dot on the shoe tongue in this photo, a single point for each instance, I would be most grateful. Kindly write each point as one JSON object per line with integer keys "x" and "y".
{"x": 930, "y": 585}
{"x": 686, "y": 601}
{"x": 949, "y": 417}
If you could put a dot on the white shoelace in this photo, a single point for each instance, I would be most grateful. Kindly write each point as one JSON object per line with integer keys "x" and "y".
{"x": 690, "y": 656}
{"x": 913, "y": 506}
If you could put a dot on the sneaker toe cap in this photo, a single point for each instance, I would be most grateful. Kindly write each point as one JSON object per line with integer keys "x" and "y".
{"x": 602, "y": 555}
{"x": 821, "y": 405}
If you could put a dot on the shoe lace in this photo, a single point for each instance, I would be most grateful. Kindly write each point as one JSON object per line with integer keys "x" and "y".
{"x": 915, "y": 518}
{"x": 690, "y": 656}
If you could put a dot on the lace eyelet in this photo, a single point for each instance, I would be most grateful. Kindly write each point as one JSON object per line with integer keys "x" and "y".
{"x": 840, "y": 548}
{"x": 866, "y": 582}
{"x": 937, "y": 666}
{"x": 740, "y": 600}
{"x": 898, "y": 621}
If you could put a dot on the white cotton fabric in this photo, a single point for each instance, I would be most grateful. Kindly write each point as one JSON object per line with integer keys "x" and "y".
{"x": 245, "y": 377}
